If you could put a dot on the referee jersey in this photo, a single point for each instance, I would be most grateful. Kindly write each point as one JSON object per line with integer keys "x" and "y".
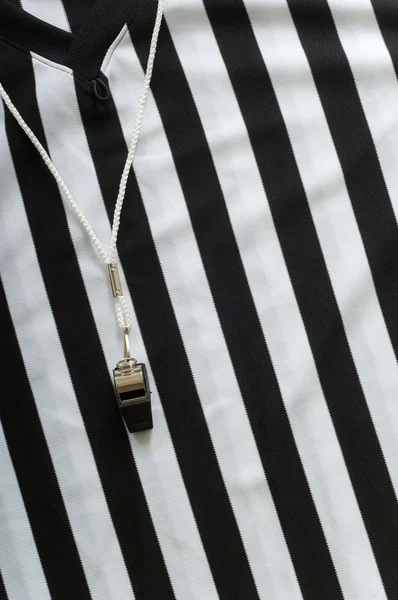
{"x": 258, "y": 249}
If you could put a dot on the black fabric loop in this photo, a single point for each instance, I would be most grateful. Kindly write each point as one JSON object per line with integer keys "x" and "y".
{"x": 100, "y": 89}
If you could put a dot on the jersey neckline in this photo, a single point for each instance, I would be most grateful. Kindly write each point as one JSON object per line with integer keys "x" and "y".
{"x": 82, "y": 51}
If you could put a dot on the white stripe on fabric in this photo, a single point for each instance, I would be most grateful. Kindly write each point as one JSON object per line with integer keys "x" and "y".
{"x": 55, "y": 399}
{"x": 270, "y": 284}
{"x": 200, "y": 328}
{"x": 349, "y": 271}
{"x": 47, "y": 10}
{"x": 156, "y": 461}
{"x": 19, "y": 560}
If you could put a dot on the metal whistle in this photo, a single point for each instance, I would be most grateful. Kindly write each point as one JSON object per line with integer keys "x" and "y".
{"x": 132, "y": 391}
{"x": 131, "y": 380}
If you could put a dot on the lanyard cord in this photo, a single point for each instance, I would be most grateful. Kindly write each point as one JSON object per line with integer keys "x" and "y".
{"x": 108, "y": 258}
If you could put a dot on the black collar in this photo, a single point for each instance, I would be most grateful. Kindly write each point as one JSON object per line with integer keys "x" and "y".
{"x": 82, "y": 51}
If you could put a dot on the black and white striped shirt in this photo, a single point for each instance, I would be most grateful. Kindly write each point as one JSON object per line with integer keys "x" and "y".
{"x": 259, "y": 251}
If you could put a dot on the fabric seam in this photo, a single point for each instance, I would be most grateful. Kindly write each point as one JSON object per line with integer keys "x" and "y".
{"x": 42, "y": 60}
{"x": 126, "y": 25}
{"x": 37, "y": 57}
{"x": 111, "y": 54}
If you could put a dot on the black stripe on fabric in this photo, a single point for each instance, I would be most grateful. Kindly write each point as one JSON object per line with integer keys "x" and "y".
{"x": 387, "y": 17}
{"x": 239, "y": 319}
{"x": 306, "y": 265}
{"x": 169, "y": 363}
{"x": 76, "y": 328}
{"x": 35, "y": 472}
{"x": 376, "y": 221}
{"x": 3, "y": 593}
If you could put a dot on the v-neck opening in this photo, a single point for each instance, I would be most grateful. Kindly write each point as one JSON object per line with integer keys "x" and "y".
{"x": 82, "y": 51}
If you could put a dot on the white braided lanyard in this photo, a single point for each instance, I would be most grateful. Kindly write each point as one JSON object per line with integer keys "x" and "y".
{"x": 108, "y": 258}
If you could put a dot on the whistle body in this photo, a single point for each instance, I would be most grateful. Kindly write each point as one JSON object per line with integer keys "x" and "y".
{"x": 133, "y": 395}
